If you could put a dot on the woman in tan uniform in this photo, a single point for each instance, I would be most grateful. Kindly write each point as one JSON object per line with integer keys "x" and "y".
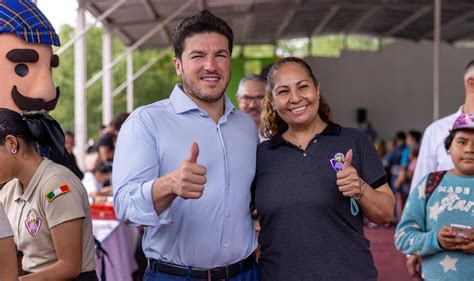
{"x": 45, "y": 202}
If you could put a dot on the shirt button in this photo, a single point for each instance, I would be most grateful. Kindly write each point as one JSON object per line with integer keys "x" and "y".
{"x": 304, "y": 154}
{"x": 315, "y": 141}
{"x": 225, "y": 245}
{"x": 228, "y": 214}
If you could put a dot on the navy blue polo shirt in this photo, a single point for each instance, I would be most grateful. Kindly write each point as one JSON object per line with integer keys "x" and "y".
{"x": 307, "y": 229}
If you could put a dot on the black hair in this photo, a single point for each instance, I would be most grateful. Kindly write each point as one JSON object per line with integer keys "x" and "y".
{"x": 401, "y": 136}
{"x": 103, "y": 167}
{"x": 37, "y": 127}
{"x": 12, "y": 123}
{"x": 203, "y": 22}
{"x": 449, "y": 139}
{"x": 119, "y": 120}
{"x": 415, "y": 135}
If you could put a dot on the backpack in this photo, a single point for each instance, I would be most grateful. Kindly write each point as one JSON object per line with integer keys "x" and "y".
{"x": 434, "y": 178}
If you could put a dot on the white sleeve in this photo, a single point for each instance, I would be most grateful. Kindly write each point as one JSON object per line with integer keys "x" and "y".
{"x": 90, "y": 183}
{"x": 5, "y": 227}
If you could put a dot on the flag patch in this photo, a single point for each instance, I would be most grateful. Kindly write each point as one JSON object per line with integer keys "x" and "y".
{"x": 53, "y": 194}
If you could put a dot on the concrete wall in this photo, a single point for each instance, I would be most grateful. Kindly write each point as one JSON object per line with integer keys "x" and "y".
{"x": 395, "y": 85}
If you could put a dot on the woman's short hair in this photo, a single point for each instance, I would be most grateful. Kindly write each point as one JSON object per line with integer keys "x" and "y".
{"x": 271, "y": 122}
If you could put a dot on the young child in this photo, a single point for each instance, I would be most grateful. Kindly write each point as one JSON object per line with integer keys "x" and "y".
{"x": 425, "y": 228}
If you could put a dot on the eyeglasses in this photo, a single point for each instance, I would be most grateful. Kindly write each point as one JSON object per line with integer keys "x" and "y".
{"x": 248, "y": 99}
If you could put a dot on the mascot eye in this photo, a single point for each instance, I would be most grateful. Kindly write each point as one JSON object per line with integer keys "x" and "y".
{"x": 21, "y": 69}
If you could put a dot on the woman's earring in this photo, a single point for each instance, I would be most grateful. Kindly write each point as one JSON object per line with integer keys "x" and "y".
{"x": 449, "y": 152}
{"x": 14, "y": 150}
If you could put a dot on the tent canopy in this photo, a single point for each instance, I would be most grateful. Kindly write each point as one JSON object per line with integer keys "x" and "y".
{"x": 266, "y": 21}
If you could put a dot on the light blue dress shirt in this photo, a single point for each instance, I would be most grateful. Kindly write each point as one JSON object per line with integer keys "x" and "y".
{"x": 214, "y": 230}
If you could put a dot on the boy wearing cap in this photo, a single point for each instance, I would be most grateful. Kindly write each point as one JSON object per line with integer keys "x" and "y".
{"x": 437, "y": 220}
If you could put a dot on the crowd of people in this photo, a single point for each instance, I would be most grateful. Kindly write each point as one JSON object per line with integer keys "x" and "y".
{"x": 273, "y": 190}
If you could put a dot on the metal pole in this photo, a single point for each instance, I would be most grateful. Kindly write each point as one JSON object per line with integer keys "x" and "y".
{"x": 436, "y": 48}
{"x": 130, "y": 82}
{"x": 138, "y": 43}
{"x": 107, "y": 110}
{"x": 142, "y": 70}
{"x": 80, "y": 102}
{"x": 85, "y": 30}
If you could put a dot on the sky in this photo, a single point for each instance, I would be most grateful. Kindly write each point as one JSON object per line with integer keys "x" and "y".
{"x": 59, "y": 12}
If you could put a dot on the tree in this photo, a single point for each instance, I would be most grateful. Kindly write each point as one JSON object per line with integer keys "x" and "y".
{"x": 156, "y": 84}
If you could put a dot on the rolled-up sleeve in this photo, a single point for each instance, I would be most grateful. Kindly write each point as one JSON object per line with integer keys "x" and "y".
{"x": 135, "y": 168}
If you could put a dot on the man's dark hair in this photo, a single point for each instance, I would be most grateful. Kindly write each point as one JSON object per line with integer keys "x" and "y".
{"x": 69, "y": 133}
{"x": 203, "y": 22}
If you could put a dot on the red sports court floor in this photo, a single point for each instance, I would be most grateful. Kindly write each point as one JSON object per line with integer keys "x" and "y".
{"x": 390, "y": 263}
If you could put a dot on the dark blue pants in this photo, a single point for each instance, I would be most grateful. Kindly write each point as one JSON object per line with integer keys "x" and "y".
{"x": 249, "y": 275}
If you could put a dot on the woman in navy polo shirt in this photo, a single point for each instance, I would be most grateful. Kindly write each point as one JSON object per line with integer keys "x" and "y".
{"x": 315, "y": 181}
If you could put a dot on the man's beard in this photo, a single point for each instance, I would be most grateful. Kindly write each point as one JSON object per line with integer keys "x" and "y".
{"x": 195, "y": 93}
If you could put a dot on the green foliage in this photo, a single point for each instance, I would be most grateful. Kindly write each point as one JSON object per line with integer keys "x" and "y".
{"x": 155, "y": 84}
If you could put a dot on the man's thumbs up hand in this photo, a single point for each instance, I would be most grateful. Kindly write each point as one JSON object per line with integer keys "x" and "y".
{"x": 189, "y": 178}
{"x": 193, "y": 156}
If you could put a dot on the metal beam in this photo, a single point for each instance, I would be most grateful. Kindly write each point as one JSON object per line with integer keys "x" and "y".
{"x": 462, "y": 36}
{"x": 130, "y": 81}
{"x": 451, "y": 24}
{"x": 150, "y": 9}
{"x": 324, "y": 22}
{"x": 359, "y": 23}
{"x": 436, "y": 49}
{"x": 80, "y": 97}
{"x": 107, "y": 108}
{"x": 138, "y": 43}
{"x": 286, "y": 20}
{"x": 249, "y": 22}
{"x": 139, "y": 72}
{"x": 415, "y": 16}
{"x": 98, "y": 19}
{"x": 248, "y": 27}
{"x": 112, "y": 27}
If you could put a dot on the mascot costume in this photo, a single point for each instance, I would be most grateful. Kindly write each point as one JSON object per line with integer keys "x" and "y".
{"x": 26, "y": 84}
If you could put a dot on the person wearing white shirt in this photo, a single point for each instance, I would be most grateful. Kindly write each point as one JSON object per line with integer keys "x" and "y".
{"x": 433, "y": 155}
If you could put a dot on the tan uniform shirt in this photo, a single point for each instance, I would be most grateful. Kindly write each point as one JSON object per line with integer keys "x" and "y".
{"x": 53, "y": 196}
{"x": 5, "y": 228}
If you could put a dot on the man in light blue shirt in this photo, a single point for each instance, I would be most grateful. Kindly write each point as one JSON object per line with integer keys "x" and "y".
{"x": 183, "y": 166}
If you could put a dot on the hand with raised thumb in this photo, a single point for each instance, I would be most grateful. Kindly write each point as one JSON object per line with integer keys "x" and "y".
{"x": 193, "y": 156}
{"x": 348, "y": 159}
{"x": 189, "y": 178}
{"x": 348, "y": 180}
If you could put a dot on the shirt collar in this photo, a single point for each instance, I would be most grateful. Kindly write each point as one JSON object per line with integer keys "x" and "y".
{"x": 30, "y": 189}
{"x": 183, "y": 103}
{"x": 331, "y": 129}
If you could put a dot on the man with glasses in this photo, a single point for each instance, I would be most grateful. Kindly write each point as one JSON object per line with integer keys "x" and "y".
{"x": 250, "y": 96}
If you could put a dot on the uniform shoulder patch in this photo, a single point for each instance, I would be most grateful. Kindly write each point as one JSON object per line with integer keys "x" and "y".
{"x": 58, "y": 191}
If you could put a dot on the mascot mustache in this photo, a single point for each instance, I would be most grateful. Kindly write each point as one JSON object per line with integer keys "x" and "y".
{"x": 29, "y": 104}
